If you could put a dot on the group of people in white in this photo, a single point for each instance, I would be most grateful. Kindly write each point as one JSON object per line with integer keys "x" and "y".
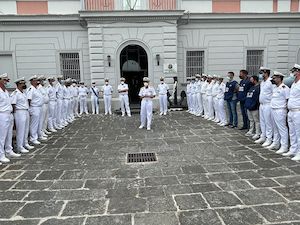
{"x": 270, "y": 109}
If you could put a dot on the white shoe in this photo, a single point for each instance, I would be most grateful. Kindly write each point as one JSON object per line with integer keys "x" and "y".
{"x": 23, "y": 150}
{"x": 141, "y": 127}
{"x": 123, "y": 115}
{"x": 29, "y": 147}
{"x": 148, "y": 128}
{"x": 210, "y": 118}
{"x": 4, "y": 160}
{"x": 47, "y": 132}
{"x": 289, "y": 153}
{"x": 282, "y": 150}
{"x": 248, "y": 134}
{"x": 161, "y": 113}
{"x": 217, "y": 121}
{"x": 129, "y": 115}
{"x": 255, "y": 137}
{"x": 53, "y": 130}
{"x": 13, "y": 155}
{"x": 273, "y": 146}
{"x": 36, "y": 142}
{"x": 43, "y": 139}
{"x": 296, "y": 157}
{"x": 267, "y": 143}
{"x": 166, "y": 114}
{"x": 222, "y": 124}
{"x": 45, "y": 136}
{"x": 260, "y": 141}
{"x": 205, "y": 117}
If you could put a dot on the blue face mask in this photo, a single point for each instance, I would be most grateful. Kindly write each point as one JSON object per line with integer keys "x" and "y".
{"x": 7, "y": 85}
{"x": 260, "y": 77}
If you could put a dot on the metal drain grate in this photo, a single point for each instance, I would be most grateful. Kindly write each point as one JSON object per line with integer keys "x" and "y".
{"x": 141, "y": 157}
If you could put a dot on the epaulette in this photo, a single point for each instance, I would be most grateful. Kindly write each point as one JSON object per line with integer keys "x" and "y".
{"x": 283, "y": 86}
{"x": 13, "y": 93}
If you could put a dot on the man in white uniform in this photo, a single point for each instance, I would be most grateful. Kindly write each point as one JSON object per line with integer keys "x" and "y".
{"x": 188, "y": 94}
{"x": 6, "y": 122}
{"x": 199, "y": 109}
{"x": 36, "y": 101}
{"x": 95, "y": 98}
{"x": 107, "y": 91}
{"x": 82, "y": 92}
{"x": 193, "y": 96}
{"x": 210, "y": 104}
{"x": 215, "y": 90}
{"x": 294, "y": 115}
{"x": 44, "y": 114}
{"x": 146, "y": 93}
{"x": 123, "y": 95}
{"x": 265, "y": 96}
{"x": 203, "y": 94}
{"x": 75, "y": 98}
{"x": 52, "y": 105}
{"x": 162, "y": 90}
{"x": 59, "y": 108}
{"x": 280, "y": 96}
{"x": 20, "y": 108}
{"x": 220, "y": 97}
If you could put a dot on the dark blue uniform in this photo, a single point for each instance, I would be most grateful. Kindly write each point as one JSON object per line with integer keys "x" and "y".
{"x": 245, "y": 86}
{"x": 252, "y": 98}
{"x": 230, "y": 98}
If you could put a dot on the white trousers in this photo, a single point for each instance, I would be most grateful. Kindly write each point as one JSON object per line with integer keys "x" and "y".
{"x": 280, "y": 116}
{"x": 294, "y": 125}
{"x": 205, "y": 105}
{"x": 146, "y": 112}
{"x": 194, "y": 102}
{"x": 59, "y": 112}
{"x": 65, "y": 109}
{"x": 22, "y": 127}
{"x": 265, "y": 121}
{"x": 70, "y": 109}
{"x": 46, "y": 117}
{"x": 72, "y": 102}
{"x": 163, "y": 103}
{"x": 75, "y": 109}
{"x": 6, "y": 130}
{"x": 42, "y": 119}
{"x": 221, "y": 111}
{"x": 216, "y": 107}
{"x": 95, "y": 105}
{"x": 210, "y": 106}
{"x": 83, "y": 104}
{"x": 124, "y": 100}
{"x": 52, "y": 114}
{"x": 188, "y": 101}
{"x": 35, "y": 116}
{"x": 107, "y": 103}
{"x": 199, "y": 103}
{"x": 253, "y": 116}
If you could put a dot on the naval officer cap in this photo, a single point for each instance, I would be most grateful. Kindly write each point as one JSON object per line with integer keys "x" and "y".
{"x": 20, "y": 80}
{"x": 276, "y": 73}
{"x": 81, "y": 82}
{"x": 4, "y": 76}
{"x": 264, "y": 69}
{"x": 106, "y": 79}
{"x": 122, "y": 79}
{"x": 69, "y": 80}
{"x": 193, "y": 78}
{"x": 209, "y": 76}
{"x": 197, "y": 75}
{"x": 204, "y": 75}
{"x": 146, "y": 79}
{"x": 34, "y": 77}
{"x": 296, "y": 68}
{"x": 59, "y": 76}
{"x": 51, "y": 78}
{"x": 161, "y": 78}
{"x": 42, "y": 77}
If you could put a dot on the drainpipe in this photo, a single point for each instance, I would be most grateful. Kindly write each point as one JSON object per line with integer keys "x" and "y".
{"x": 82, "y": 4}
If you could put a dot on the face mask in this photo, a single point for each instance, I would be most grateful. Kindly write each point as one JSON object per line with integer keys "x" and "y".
{"x": 161, "y": 82}
{"x": 146, "y": 84}
{"x": 106, "y": 83}
{"x": 74, "y": 85}
{"x": 229, "y": 78}
{"x": 7, "y": 85}
{"x": 122, "y": 82}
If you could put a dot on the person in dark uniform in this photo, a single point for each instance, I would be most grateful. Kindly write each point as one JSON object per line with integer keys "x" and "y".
{"x": 244, "y": 87}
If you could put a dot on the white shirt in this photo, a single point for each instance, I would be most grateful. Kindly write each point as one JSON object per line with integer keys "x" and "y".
{"x": 19, "y": 99}
{"x": 107, "y": 89}
{"x": 266, "y": 91}
{"x": 66, "y": 93}
{"x": 5, "y": 104}
{"x": 162, "y": 89}
{"x": 188, "y": 89}
{"x": 36, "y": 97}
{"x": 82, "y": 91}
{"x": 96, "y": 90}
{"x": 209, "y": 89}
{"x": 51, "y": 93}
{"x": 215, "y": 89}
{"x": 44, "y": 92}
{"x": 198, "y": 86}
{"x": 294, "y": 100}
{"x": 59, "y": 91}
{"x": 280, "y": 96}
{"x": 203, "y": 87}
{"x": 147, "y": 92}
{"x": 123, "y": 87}
{"x": 193, "y": 88}
{"x": 221, "y": 90}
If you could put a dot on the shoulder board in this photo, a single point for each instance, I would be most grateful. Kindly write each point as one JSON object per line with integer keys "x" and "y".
{"x": 14, "y": 92}
{"x": 283, "y": 86}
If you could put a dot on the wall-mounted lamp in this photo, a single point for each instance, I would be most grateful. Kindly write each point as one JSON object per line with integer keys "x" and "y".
{"x": 109, "y": 60}
{"x": 157, "y": 58}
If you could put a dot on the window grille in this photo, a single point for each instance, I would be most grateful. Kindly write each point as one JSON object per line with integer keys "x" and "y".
{"x": 70, "y": 65}
{"x": 254, "y": 61}
{"x": 132, "y": 4}
{"x": 194, "y": 63}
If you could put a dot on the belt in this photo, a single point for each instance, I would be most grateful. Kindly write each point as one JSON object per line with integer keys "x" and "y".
{"x": 162, "y": 94}
{"x": 265, "y": 103}
{"x": 280, "y": 108}
{"x": 22, "y": 109}
{"x": 294, "y": 110}
{"x": 5, "y": 112}
{"x": 145, "y": 98}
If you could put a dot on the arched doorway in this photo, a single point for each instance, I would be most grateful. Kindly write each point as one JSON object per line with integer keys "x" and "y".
{"x": 133, "y": 67}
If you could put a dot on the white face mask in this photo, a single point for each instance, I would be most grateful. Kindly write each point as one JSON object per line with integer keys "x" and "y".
{"x": 74, "y": 85}
{"x": 146, "y": 84}
{"x": 161, "y": 82}
{"x": 106, "y": 83}
{"x": 122, "y": 82}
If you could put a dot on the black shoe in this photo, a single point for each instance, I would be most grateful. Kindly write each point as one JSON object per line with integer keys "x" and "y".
{"x": 243, "y": 128}
{"x": 233, "y": 126}
{"x": 228, "y": 125}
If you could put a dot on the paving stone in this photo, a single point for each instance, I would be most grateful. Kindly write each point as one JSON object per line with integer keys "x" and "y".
{"x": 73, "y": 175}
{"x": 221, "y": 199}
{"x": 67, "y": 184}
{"x": 245, "y": 216}
{"x": 194, "y": 201}
{"x": 223, "y": 177}
{"x": 12, "y": 195}
{"x": 151, "y": 191}
{"x": 161, "y": 204}
{"x": 100, "y": 183}
{"x": 202, "y": 188}
{"x": 203, "y": 217}
{"x": 8, "y": 209}
{"x": 193, "y": 169}
{"x": 277, "y": 213}
{"x": 251, "y": 174}
{"x": 20, "y": 222}
{"x": 41, "y": 209}
{"x": 80, "y": 194}
{"x": 33, "y": 185}
{"x": 259, "y": 196}
{"x": 129, "y": 183}
{"x": 109, "y": 220}
{"x": 213, "y": 168}
{"x": 156, "y": 219}
{"x": 84, "y": 207}
{"x": 156, "y": 181}
{"x": 193, "y": 179}
{"x": 289, "y": 181}
{"x": 277, "y": 172}
{"x": 260, "y": 183}
{"x": 11, "y": 175}
{"x": 126, "y": 205}
{"x": 5, "y": 185}
{"x": 234, "y": 185}
{"x": 120, "y": 192}
{"x": 290, "y": 193}
{"x": 40, "y": 195}
{"x": 50, "y": 175}
{"x": 177, "y": 189}
{"x": 68, "y": 221}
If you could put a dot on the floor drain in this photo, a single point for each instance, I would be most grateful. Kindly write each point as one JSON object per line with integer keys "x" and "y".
{"x": 141, "y": 157}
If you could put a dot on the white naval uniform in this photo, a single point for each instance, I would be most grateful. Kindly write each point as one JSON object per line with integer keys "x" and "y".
{"x": 65, "y": 104}
{"x": 124, "y": 100}
{"x": 71, "y": 109}
{"x": 146, "y": 105}
{"x": 35, "y": 111}
{"x": 82, "y": 92}
{"x": 59, "y": 108}
{"x": 265, "y": 96}
{"x": 76, "y": 101}
{"x": 221, "y": 108}
{"x": 279, "y": 114}
{"x": 199, "y": 109}
{"x": 107, "y": 92}
{"x": 21, "y": 115}
{"x": 188, "y": 96}
{"x": 194, "y": 102}
{"x": 44, "y": 115}
{"x": 215, "y": 89}
{"x": 210, "y": 103}
{"x": 6, "y": 124}
{"x": 204, "y": 97}
{"x": 162, "y": 90}
{"x": 293, "y": 118}
{"x": 95, "y": 99}
{"x": 52, "y": 107}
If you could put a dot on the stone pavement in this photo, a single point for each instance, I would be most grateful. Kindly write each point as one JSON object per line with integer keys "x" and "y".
{"x": 204, "y": 175}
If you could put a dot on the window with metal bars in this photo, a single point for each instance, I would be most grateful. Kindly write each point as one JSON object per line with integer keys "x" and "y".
{"x": 194, "y": 63}
{"x": 254, "y": 61}
{"x": 70, "y": 65}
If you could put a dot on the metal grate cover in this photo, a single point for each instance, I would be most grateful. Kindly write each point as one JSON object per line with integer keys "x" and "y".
{"x": 141, "y": 157}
